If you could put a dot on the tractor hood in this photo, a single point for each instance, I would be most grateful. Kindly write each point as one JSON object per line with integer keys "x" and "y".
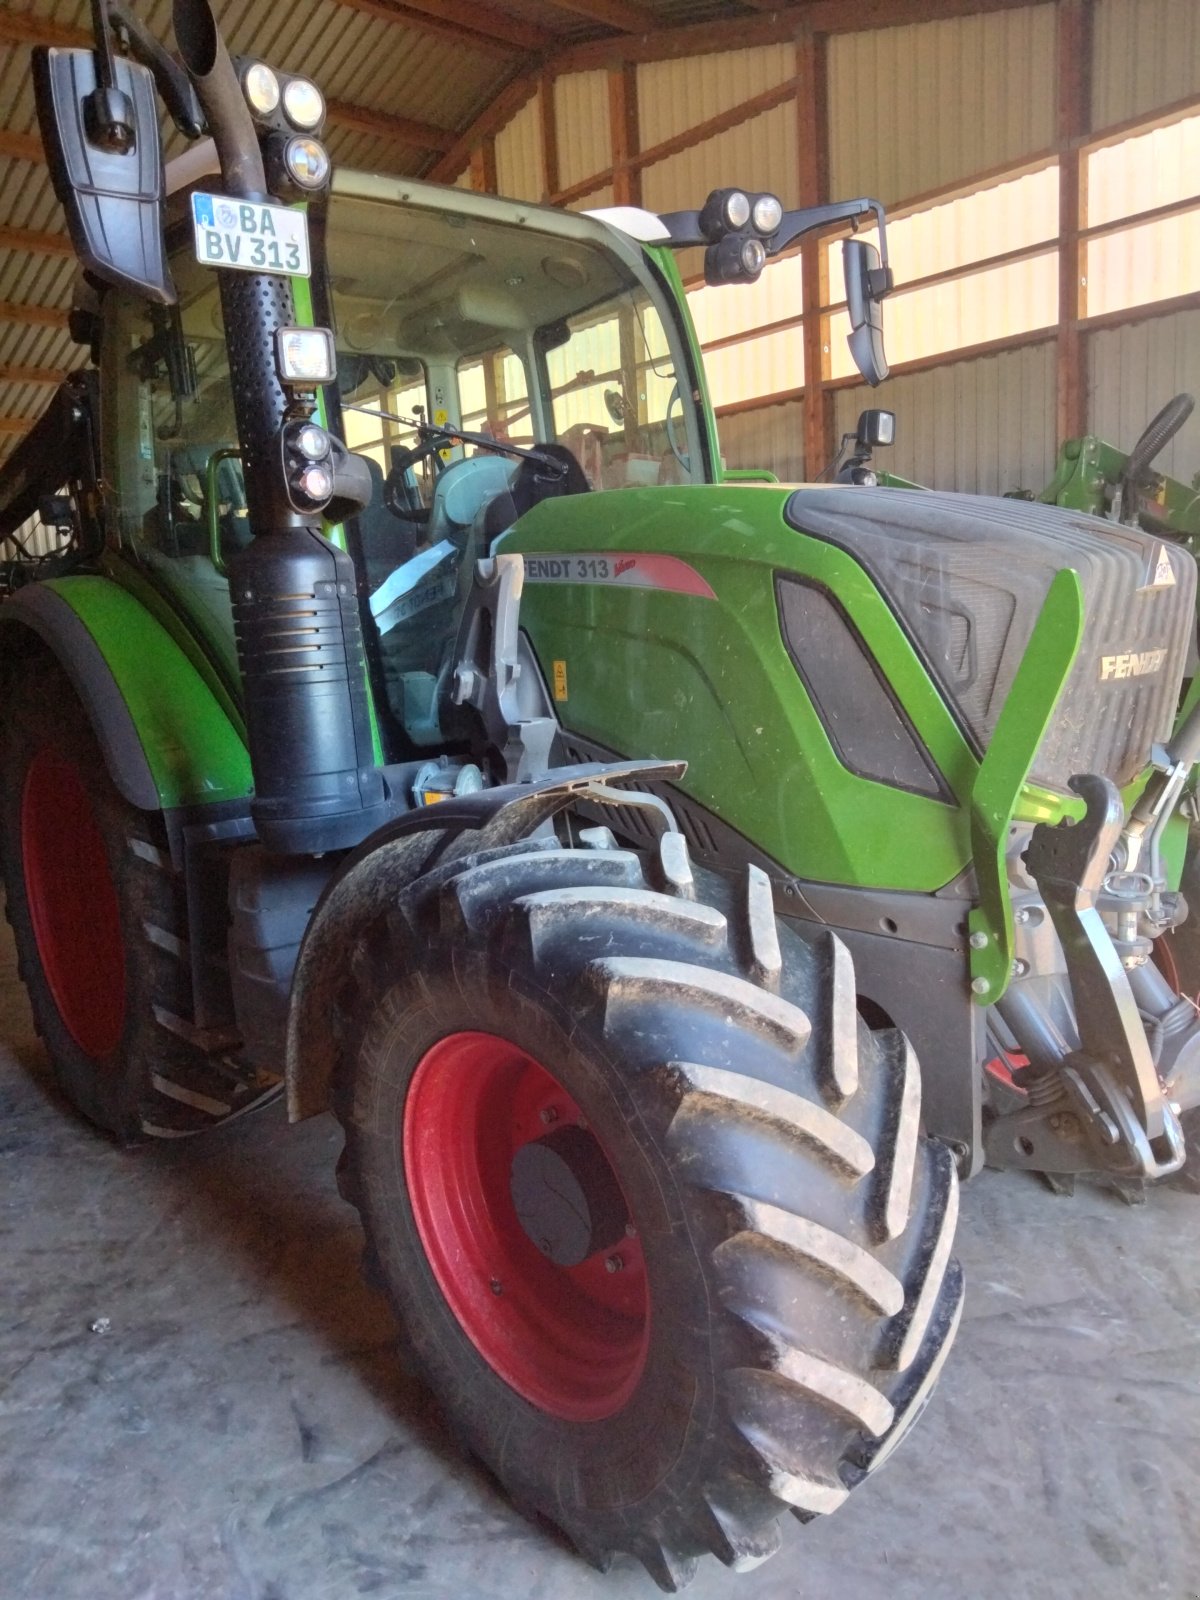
{"x": 967, "y": 575}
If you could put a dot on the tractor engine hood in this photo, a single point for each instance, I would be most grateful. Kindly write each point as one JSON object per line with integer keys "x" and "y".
{"x": 966, "y": 576}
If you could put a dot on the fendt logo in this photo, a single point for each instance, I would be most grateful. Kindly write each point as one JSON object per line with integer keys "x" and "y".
{"x": 1136, "y": 664}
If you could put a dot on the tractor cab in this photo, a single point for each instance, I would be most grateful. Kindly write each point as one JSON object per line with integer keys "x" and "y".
{"x": 489, "y": 356}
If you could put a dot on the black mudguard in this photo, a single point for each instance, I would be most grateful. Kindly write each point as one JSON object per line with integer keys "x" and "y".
{"x": 372, "y": 875}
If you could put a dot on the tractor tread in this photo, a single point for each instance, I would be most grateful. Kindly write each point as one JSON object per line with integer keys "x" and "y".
{"x": 638, "y": 979}
{"x": 897, "y": 1166}
{"x": 717, "y": 1092}
{"x": 766, "y": 959}
{"x": 848, "y": 1264}
{"x": 548, "y": 909}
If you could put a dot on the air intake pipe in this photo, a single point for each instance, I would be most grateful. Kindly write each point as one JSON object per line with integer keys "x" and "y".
{"x": 296, "y": 619}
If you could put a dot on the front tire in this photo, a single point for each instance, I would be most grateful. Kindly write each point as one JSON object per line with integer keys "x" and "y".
{"x": 764, "y": 1292}
{"x": 99, "y": 918}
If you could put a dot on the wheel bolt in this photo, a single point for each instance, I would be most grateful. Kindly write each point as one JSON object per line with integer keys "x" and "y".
{"x": 613, "y": 1263}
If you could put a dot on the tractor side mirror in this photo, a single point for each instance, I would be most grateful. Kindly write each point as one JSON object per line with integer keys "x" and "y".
{"x": 105, "y": 161}
{"x": 875, "y": 429}
{"x": 353, "y": 485}
{"x": 866, "y": 284}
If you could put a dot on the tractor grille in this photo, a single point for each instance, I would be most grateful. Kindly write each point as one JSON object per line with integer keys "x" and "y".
{"x": 967, "y": 575}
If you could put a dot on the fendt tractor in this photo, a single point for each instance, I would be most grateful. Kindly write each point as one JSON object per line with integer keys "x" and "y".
{"x": 370, "y": 591}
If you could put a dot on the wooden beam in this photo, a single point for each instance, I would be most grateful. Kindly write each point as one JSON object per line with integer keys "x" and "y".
{"x": 812, "y": 128}
{"x": 623, "y": 130}
{"x": 51, "y": 375}
{"x": 21, "y": 146}
{"x": 364, "y": 119}
{"x": 40, "y": 244}
{"x": 490, "y": 120}
{"x": 1073, "y": 76}
{"x": 462, "y": 21}
{"x": 36, "y": 316}
{"x": 548, "y": 120}
{"x": 16, "y": 424}
{"x": 483, "y": 166}
{"x": 619, "y": 14}
{"x": 25, "y": 28}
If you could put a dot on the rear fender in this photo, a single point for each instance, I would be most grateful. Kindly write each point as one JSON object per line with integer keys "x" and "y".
{"x": 371, "y": 877}
{"x": 166, "y": 740}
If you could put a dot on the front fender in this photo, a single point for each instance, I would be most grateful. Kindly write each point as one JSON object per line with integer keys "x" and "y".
{"x": 371, "y": 878}
{"x": 165, "y": 739}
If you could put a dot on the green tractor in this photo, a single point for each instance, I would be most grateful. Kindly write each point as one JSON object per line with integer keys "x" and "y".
{"x": 367, "y": 591}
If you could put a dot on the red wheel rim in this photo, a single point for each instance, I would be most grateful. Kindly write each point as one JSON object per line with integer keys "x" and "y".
{"x": 73, "y": 904}
{"x": 570, "y": 1340}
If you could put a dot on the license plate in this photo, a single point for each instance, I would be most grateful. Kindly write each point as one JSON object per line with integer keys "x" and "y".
{"x": 250, "y": 237}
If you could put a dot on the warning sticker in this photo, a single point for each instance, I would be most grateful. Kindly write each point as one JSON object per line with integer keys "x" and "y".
{"x": 560, "y": 680}
{"x": 667, "y": 573}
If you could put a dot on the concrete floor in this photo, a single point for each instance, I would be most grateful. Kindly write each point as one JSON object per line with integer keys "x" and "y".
{"x": 241, "y": 1430}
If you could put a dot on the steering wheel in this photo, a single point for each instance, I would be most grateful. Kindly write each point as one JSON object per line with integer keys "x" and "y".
{"x": 397, "y": 494}
{"x": 1157, "y": 434}
{"x": 671, "y": 423}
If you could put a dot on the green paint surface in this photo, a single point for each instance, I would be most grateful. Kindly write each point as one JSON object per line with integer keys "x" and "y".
{"x": 193, "y": 751}
{"x": 1020, "y": 728}
{"x": 659, "y": 674}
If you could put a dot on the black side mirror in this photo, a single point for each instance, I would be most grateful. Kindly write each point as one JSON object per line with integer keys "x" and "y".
{"x": 875, "y": 429}
{"x": 105, "y": 161}
{"x": 866, "y": 284}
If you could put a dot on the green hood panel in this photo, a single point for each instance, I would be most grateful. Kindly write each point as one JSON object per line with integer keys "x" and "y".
{"x": 686, "y": 658}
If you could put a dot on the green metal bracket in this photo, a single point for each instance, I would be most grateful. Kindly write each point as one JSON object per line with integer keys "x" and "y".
{"x": 748, "y": 475}
{"x": 1045, "y": 667}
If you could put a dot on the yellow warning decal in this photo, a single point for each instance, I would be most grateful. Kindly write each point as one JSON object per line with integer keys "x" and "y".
{"x": 560, "y": 680}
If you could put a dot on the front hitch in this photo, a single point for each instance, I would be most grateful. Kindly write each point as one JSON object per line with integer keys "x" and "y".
{"x": 1102, "y": 1106}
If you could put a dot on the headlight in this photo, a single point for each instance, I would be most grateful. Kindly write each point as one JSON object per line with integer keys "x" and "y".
{"x": 303, "y": 104}
{"x": 316, "y": 482}
{"x": 736, "y": 209}
{"x": 767, "y": 214}
{"x": 305, "y": 356}
{"x": 261, "y": 88}
{"x": 312, "y": 442}
{"x": 754, "y": 256}
{"x": 307, "y": 163}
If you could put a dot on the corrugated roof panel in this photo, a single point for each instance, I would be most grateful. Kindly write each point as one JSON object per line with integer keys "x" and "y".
{"x": 1133, "y": 372}
{"x": 983, "y": 426}
{"x": 1146, "y": 54}
{"x": 675, "y": 95}
{"x": 914, "y": 108}
{"x": 519, "y": 155}
{"x": 581, "y": 117}
{"x": 760, "y": 154}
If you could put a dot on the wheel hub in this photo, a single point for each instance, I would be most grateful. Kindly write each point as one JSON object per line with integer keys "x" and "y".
{"x": 566, "y": 1197}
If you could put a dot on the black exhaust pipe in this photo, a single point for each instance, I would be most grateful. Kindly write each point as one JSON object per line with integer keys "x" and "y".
{"x": 295, "y": 611}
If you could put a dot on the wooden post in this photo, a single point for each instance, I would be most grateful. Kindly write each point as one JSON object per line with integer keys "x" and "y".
{"x": 812, "y": 124}
{"x": 483, "y": 165}
{"x": 623, "y": 125}
{"x": 549, "y": 126}
{"x": 1073, "y": 67}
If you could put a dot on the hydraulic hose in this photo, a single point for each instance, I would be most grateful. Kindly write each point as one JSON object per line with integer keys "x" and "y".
{"x": 1155, "y": 438}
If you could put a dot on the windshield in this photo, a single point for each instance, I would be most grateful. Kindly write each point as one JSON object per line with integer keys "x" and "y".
{"x": 512, "y": 334}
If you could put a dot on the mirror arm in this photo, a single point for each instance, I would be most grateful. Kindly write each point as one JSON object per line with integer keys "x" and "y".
{"x": 178, "y": 95}
{"x": 797, "y": 223}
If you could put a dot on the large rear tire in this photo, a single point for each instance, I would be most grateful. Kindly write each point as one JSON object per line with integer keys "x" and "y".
{"x": 100, "y": 924}
{"x": 743, "y": 1293}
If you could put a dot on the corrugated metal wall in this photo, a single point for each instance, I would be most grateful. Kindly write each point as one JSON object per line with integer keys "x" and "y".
{"x": 983, "y": 426}
{"x": 1146, "y": 54}
{"x": 675, "y": 95}
{"x": 772, "y": 437}
{"x": 1133, "y": 371}
{"x": 519, "y": 155}
{"x": 913, "y": 108}
{"x": 581, "y": 118}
